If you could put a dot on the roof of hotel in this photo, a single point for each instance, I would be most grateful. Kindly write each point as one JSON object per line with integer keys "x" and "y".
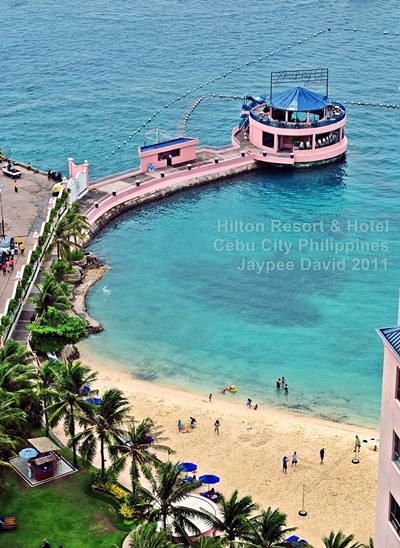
{"x": 172, "y": 142}
{"x": 391, "y": 335}
{"x": 299, "y": 100}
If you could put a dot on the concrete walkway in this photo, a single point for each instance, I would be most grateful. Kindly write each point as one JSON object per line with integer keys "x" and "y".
{"x": 23, "y": 214}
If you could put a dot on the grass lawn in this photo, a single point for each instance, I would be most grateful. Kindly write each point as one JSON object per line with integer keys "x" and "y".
{"x": 59, "y": 511}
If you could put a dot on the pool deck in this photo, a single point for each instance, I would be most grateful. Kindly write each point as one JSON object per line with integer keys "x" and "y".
{"x": 20, "y": 466}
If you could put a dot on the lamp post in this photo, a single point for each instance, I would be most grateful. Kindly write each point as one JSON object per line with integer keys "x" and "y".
{"x": 2, "y": 216}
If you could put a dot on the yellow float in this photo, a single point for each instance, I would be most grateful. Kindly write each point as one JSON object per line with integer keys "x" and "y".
{"x": 232, "y": 388}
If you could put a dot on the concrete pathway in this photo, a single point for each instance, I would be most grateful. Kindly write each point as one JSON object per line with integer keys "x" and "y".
{"x": 23, "y": 213}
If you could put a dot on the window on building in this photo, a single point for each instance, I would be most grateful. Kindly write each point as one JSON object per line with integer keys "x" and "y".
{"x": 268, "y": 139}
{"x": 395, "y": 514}
{"x": 396, "y": 450}
{"x": 398, "y": 384}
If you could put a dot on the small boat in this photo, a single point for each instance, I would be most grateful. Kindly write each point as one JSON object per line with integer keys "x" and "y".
{"x": 11, "y": 171}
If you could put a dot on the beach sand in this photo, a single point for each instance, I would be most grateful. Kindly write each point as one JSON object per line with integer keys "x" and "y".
{"x": 247, "y": 455}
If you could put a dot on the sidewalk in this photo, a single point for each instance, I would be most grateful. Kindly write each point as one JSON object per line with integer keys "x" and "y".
{"x": 23, "y": 214}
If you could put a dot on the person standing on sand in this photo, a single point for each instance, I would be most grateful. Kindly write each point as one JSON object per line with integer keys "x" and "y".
{"x": 216, "y": 426}
{"x": 322, "y": 455}
{"x": 357, "y": 445}
{"x": 284, "y": 465}
{"x": 210, "y": 398}
{"x": 180, "y": 425}
{"x": 294, "y": 459}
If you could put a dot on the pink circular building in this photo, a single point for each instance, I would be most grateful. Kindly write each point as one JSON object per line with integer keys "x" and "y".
{"x": 297, "y": 127}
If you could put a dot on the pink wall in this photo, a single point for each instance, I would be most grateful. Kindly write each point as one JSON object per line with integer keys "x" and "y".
{"x": 187, "y": 154}
{"x": 75, "y": 169}
{"x": 388, "y": 474}
{"x": 256, "y": 137}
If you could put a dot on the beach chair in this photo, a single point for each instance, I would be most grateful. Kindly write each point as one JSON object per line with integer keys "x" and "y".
{"x": 6, "y": 524}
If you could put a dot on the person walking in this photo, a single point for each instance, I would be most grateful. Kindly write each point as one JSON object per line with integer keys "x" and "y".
{"x": 4, "y": 269}
{"x": 284, "y": 465}
{"x": 15, "y": 186}
{"x": 210, "y": 398}
{"x": 294, "y": 459}
{"x": 322, "y": 455}
{"x": 357, "y": 445}
{"x": 22, "y": 248}
{"x": 216, "y": 426}
{"x": 180, "y": 425}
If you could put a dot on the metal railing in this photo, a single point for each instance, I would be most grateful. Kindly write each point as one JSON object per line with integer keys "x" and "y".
{"x": 299, "y": 125}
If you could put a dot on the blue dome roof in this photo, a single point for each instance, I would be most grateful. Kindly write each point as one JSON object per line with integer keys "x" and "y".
{"x": 298, "y": 100}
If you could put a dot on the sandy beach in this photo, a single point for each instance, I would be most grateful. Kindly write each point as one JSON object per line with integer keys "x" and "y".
{"x": 247, "y": 455}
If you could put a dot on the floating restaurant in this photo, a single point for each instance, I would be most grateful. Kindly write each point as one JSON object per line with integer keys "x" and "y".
{"x": 296, "y": 124}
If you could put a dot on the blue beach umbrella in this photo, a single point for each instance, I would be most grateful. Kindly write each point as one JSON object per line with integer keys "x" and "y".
{"x": 28, "y": 453}
{"x": 187, "y": 466}
{"x": 209, "y": 478}
{"x": 95, "y": 401}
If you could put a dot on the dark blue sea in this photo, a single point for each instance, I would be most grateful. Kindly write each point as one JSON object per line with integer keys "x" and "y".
{"x": 81, "y": 79}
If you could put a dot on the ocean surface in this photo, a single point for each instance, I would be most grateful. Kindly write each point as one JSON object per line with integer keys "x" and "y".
{"x": 178, "y": 306}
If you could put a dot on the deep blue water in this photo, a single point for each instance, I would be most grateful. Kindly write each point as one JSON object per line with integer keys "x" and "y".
{"x": 79, "y": 79}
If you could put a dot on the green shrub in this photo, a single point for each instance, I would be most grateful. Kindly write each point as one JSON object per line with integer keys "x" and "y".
{"x": 36, "y": 254}
{"x": 5, "y": 320}
{"x": 13, "y": 305}
{"x": 76, "y": 255}
{"x": 18, "y": 291}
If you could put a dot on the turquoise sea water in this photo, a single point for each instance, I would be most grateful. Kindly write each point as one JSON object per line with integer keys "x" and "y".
{"x": 81, "y": 78}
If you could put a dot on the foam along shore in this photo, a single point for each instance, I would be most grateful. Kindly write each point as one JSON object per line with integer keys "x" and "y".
{"x": 247, "y": 454}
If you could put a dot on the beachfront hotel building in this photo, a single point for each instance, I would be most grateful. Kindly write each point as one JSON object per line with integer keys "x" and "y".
{"x": 387, "y": 527}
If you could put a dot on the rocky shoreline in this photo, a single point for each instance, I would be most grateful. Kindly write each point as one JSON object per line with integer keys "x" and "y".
{"x": 90, "y": 270}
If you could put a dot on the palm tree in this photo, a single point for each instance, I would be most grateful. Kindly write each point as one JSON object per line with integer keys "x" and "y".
{"x": 139, "y": 442}
{"x": 15, "y": 353}
{"x": 45, "y": 380}
{"x": 235, "y": 515}
{"x": 77, "y": 222}
{"x": 165, "y": 498}
{"x": 69, "y": 380}
{"x": 268, "y": 530}
{"x": 103, "y": 424}
{"x": 340, "y": 541}
{"x": 370, "y": 544}
{"x": 16, "y": 380}
{"x": 69, "y": 231}
{"x": 51, "y": 294}
{"x": 146, "y": 536}
{"x": 11, "y": 420}
{"x": 208, "y": 542}
{"x": 59, "y": 269}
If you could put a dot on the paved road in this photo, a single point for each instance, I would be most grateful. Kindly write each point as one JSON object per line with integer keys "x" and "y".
{"x": 23, "y": 214}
